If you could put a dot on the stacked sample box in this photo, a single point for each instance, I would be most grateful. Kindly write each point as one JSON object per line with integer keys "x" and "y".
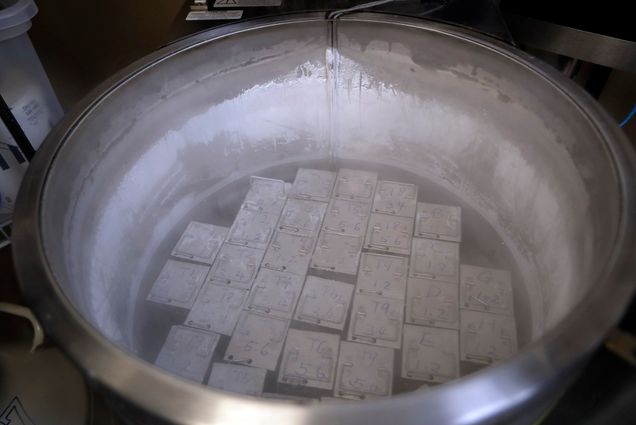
{"x": 377, "y": 314}
{"x": 342, "y": 234}
{"x": 217, "y": 292}
{"x": 179, "y": 282}
{"x": 430, "y": 348}
{"x": 261, "y": 326}
{"x": 488, "y": 328}
{"x": 362, "y": 260}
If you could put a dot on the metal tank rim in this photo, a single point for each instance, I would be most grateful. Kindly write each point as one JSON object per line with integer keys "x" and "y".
{"x": 547, "y": 362}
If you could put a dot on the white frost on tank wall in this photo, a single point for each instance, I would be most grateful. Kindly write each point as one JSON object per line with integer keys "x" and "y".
{"x": 256, "y": 120}
{"x": 458, "y": 134}
{"x": 259, "y": 118}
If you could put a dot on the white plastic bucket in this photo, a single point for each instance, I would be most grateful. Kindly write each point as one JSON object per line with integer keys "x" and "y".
{"x": 26, "y": 89}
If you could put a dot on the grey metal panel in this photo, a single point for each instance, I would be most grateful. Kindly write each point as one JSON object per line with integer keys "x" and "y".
{"x": 588, "y": 46}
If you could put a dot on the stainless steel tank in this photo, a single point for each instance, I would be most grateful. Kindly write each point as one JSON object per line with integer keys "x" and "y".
{"x": 543, "y": 171}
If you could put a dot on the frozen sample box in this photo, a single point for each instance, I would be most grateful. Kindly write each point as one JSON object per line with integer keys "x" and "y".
{"x": 484, "y": 289}
{"x": 436, "y": 221}
{"x": 309, "y": 359}
{"x": 257, "y": 340}
{"x": 487, "y": 338}
{"x": 376, "y": 320}
{"x": 437, "y": 260}
{"x": 364, "y": 371}
{"x": 237, "y": 379}
{"x": 187, "y": 352}
{"x": 337, "y": 253}
{"x": 432, "y": 303}
{"x": 265, "y": 195}
{"x": 324, "y": 302}
{"x": 275, "y": 293}
{"x": 389, "y": 233}
{"x": 217, "y": 308}
{"x": 383, "y": 275}
{"x": 315, "y": 185}
{"x": 395, "y": 198}
{"x": 236, "y": 266}
{"x": 302, "y": 217}
{"x": 200, "y": 242}
{"x": 355, "y": 184}
{"x": 430, "y": 354}
{"x": 347, "y": 218}
{"x": 289, "y": 253}
{"x": 178, "y": 284}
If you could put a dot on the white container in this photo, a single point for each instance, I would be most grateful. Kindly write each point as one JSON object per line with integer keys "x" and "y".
{"x": 28, "y": 93}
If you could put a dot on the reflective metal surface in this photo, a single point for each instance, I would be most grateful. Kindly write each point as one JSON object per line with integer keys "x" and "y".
{"x": 588, "y": 46}
{"x": 515, "y": 142}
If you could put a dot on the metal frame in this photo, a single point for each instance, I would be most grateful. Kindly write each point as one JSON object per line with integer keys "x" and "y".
{"x": 527, "y": 382}
{"x": 588, "y": 46}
